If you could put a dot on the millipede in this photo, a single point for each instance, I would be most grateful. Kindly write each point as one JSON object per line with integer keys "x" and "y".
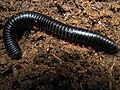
{"x": 27, "y": 19}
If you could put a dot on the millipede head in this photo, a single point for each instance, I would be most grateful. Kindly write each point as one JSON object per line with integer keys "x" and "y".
{"x": 17, "y": 55}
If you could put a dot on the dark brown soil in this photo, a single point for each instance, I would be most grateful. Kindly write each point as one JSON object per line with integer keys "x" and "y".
{"x": 49, "y": 63}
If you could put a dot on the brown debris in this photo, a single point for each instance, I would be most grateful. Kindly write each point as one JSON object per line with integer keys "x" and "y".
{"x": 49, "y": 63}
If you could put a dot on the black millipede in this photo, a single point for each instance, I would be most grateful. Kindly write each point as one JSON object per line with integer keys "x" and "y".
{"x": 28, "y": 19}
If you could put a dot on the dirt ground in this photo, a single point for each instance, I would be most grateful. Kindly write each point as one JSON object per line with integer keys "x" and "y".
{"x": 49, "y": 63}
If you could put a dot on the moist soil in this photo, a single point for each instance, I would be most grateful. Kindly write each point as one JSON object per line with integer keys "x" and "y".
{"x": 50, "y": 63}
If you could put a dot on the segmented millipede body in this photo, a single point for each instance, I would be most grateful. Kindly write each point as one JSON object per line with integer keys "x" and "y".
{"x": 28, "y": 19}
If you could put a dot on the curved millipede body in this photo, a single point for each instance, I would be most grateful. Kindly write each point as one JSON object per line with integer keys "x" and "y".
{"x": 28, "y": 19}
